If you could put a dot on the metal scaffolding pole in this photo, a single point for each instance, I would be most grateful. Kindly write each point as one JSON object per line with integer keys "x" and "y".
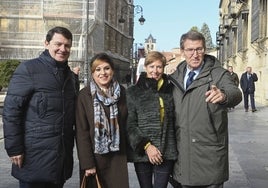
{"x": 86, "y": 66}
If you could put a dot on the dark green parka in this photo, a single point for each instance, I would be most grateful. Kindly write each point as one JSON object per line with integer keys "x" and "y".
{"x": 144, "y": 122}
{"x": 201, "y": 127}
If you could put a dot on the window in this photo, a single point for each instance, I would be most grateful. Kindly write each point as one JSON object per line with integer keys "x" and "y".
{"x": 242, "y": 31}
{"x": 263, "y": 18}
{"x": 259, "y": 20}
{"x": 255, "y": 20}
{"x": 234, "y": 39}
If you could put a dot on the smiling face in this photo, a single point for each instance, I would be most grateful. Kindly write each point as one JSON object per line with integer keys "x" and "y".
{"x": 103, "y": 73}
{"x": 59, "y": 47}
{"x": 194, "y": 52}
{"x": 154, "y": 70}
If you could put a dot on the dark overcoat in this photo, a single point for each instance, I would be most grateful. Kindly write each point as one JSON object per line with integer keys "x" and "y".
{"x": 112, "y": 167}
{"x": 39, "y": 119}
{"x": 248, "y": 85}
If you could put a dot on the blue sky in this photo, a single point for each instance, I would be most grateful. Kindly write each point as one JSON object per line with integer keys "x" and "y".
{"x": 167, "y": 20}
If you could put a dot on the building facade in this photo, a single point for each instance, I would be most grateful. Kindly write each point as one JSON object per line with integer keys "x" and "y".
{"x": 242, "y": 40}
{"x": 94, "y": 24}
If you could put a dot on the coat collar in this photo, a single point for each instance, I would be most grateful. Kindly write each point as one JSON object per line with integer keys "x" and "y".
{"x": 150, "y": 83}
{"x": 210, "y": 62}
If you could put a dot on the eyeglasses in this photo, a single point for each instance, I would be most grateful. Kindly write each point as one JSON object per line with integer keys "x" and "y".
{"x": 191, "y": 51}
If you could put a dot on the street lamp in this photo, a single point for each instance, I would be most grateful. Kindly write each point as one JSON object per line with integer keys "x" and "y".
{"x": 131, "y": 10}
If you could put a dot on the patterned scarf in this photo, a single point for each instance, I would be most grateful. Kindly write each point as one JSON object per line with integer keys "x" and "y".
{"x": 107, "y": 136}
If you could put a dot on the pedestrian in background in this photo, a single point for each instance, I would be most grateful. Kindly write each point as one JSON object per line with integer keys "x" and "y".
{"x": 39, "y": 115}
{"x": 233, "y": 75}
{"x": 247, "y": 83}
{"x": 128, "y": 78}
{"x": 202, "y": 92}
{"x": 101, "y": 114}
{"x": 150, "y": 124}
{"x": 235, "y": 79}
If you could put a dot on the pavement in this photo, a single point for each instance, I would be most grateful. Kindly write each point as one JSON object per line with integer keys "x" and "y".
{"x": 248, "y": 153}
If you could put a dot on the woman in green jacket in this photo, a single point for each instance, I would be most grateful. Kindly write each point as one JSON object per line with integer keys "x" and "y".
{"x": 150, "y": 124}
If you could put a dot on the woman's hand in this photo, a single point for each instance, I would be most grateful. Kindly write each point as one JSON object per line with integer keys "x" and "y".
{"x": 90, "y": 172}
{"x": 154, "y": 155}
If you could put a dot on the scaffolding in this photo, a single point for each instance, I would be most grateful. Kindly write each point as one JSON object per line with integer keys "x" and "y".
{"x": 93, "y": 23}
{"x": 24, "y": 24}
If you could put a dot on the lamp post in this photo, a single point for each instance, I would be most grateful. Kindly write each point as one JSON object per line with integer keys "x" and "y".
{"x": 129, "y": 11}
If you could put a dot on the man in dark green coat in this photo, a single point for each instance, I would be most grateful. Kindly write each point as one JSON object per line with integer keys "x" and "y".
{"x": 203, "y": 91}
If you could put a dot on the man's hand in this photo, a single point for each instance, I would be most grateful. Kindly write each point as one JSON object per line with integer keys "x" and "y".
{"x": 215, "y": 95}
{"x": 17, "y": 160}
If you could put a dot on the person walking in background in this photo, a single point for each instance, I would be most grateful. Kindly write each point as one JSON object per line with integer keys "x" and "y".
{"x": 128, "y": 78}
{"x": 39, "y": 117}
{"x": 101, "y": 114}
{"x": 203, "y": 91}
{"x": 247, "y": 83}
{"x": 235, "y": 79}
{"x": 150, "y": 124}
{"x": 234, "y": 75}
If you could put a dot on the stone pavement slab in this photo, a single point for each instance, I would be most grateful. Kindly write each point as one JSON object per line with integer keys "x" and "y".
{"x": 248, "y": 148}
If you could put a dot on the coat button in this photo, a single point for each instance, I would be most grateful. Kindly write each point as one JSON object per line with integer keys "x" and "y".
{"x": 193, "y": 140}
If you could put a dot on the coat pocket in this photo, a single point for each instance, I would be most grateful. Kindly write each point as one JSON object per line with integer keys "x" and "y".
{"x": 41, "y": 105}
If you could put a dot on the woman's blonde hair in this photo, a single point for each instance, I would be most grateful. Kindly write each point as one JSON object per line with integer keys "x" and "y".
{"x": 153, "y": 56}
